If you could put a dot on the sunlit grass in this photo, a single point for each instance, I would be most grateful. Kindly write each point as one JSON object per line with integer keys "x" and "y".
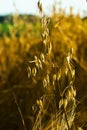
{"x": 37, "y": 66}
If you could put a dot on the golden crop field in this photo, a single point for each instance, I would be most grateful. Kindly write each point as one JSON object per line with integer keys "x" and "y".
{"x": 43, "y": 72}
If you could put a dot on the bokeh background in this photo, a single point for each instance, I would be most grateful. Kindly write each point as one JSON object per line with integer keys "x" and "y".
{"x": 20, "y": 41}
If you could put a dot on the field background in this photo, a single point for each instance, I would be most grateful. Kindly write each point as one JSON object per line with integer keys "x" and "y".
{"x": 20, "y": 41}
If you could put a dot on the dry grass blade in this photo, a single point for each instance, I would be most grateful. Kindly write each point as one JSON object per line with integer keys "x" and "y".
{"x": 19, "y": 109}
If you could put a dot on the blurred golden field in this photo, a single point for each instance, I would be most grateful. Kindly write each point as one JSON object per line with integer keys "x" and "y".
{"x": 20, "y": 41}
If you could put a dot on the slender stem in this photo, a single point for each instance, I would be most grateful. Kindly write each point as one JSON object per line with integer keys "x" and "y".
{"x": 19, "y": 110}
{"x": 66, "y": 118}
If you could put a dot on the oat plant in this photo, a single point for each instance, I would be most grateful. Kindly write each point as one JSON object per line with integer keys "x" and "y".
{"x": 56, "y": 108}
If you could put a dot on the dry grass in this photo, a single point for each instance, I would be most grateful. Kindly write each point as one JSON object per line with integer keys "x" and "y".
{"x": 56, "y": 73}
{"x": 57, "y": 107}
